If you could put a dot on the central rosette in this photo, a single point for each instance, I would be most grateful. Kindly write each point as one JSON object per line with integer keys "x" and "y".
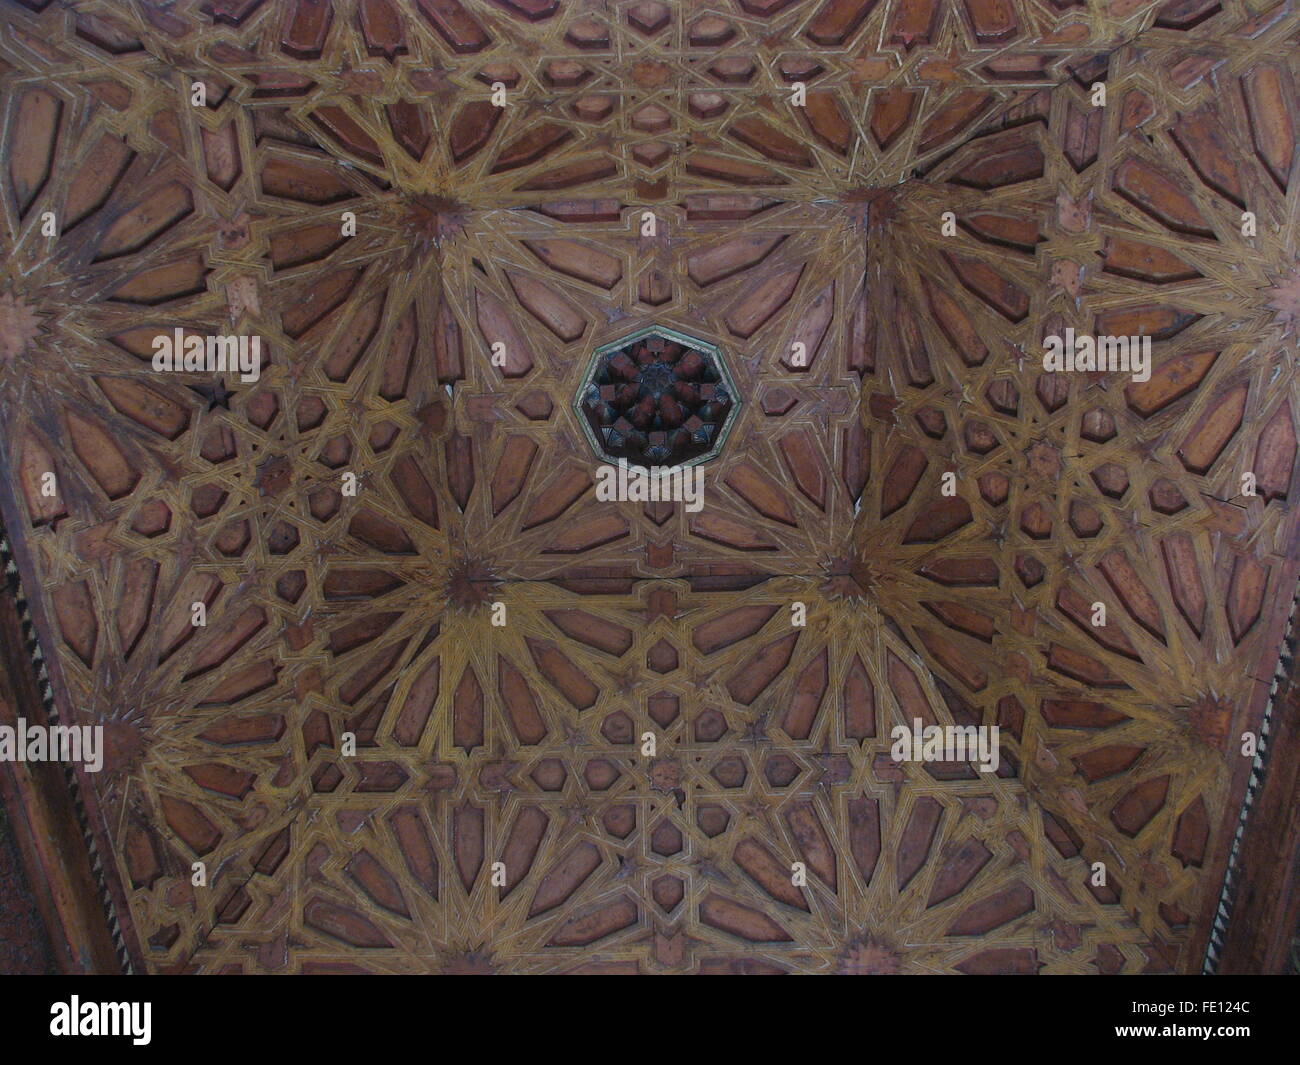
{"x": 657, "y": 398}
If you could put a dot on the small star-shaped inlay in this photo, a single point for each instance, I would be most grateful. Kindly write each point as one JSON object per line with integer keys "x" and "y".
{"x": 576, "y": 814}
{"x": 217, "y": 394}
{"x": 1072, "y": 563}
{"x": 706, "y": 865}
{"x": 756, "y": 730}
{"x": 356, "y": 409}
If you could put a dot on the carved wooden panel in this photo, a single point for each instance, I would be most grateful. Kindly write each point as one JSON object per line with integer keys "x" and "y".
{"x": 774, "y": 226}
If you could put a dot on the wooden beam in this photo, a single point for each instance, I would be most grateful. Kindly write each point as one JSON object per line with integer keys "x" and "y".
{"x": 44, "y": 821}
{"x": 1267, "y": 906}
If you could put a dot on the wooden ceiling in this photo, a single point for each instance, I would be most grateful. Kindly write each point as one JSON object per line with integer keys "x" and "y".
{"x": 331, "y": 613}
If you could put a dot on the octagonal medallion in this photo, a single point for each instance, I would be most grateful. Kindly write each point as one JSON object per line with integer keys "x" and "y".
{"x": 657, "y": 398}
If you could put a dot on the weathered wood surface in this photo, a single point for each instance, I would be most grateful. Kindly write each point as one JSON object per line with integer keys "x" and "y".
{"x": 521, "y": 225}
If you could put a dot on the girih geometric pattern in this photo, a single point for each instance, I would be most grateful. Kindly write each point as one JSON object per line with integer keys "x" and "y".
{"x": 370, "y": 613}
